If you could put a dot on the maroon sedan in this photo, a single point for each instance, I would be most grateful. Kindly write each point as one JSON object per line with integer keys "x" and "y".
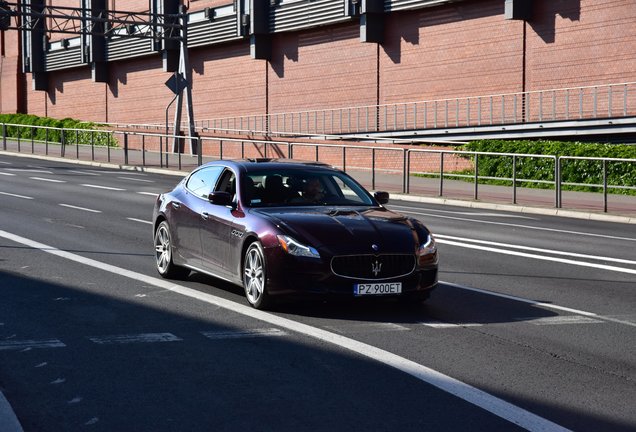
{"x": 284, "y": 228}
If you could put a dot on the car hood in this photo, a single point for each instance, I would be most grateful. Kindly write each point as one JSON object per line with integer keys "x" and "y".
{"x": 338, "y": 230}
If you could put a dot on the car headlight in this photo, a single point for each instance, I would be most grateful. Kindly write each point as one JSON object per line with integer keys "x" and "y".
{"x": 428, "y": 247}
{"x": 292, "y": 247}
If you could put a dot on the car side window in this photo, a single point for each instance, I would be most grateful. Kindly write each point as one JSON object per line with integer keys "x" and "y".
{"x": 201, "y": 183}
{"x": 227, "y": 183}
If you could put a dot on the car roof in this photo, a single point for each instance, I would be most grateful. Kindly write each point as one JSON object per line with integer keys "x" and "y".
{"x": 267, "y": 164}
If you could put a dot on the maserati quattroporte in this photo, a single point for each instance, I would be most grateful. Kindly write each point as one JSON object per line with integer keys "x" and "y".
{"x": 284, "y": 228}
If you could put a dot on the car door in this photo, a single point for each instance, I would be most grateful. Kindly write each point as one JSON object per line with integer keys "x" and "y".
{"x": 186, "y": 213}
{"x": 216, "y": 230}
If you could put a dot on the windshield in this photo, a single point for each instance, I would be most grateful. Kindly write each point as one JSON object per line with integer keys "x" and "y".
{"x": 302, "y": 188}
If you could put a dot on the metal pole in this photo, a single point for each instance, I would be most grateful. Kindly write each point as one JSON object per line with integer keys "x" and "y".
{"x": 93, "y": 145}
{"x": 407, "y": 177}
{"x": 46, "y": 141}
{"x": 4, "y": 136}
{"x": 372, "y": 169}
{"x": 404, "y": 170}
{"x": 32, "y": 140}
{"x": 441, "y": 174}
{"x": 76, "y": 143}
{"x": 514, "y": 179}
{"x": 605, "y": 185}
{"x": 344, "y": 159}
{"x": 557, "y": 179}
{"x": 143, "y": 150}
{"x": 200, "y": 151}
{"x": 476, "y": 175}
{"x": 125, "y": 148}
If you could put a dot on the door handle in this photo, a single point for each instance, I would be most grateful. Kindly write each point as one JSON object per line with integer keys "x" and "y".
{"x": 205, "y": 215}
{"x": 176, "y": 205}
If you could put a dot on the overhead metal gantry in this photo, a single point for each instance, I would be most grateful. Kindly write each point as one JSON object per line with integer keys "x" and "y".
{"x": 165, "y": 23}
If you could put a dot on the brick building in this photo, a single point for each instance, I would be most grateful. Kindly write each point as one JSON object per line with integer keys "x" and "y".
{"x": 256, "y": 57}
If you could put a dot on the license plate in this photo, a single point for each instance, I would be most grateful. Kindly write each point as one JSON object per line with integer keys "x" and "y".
{"x": 377, "y": 288}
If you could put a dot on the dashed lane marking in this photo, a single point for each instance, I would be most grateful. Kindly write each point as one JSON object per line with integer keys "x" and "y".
{"x": 38, "y": 171}
{"x": 140, "y": 221}
{"x": 565, "y": 319}
{"x": 14, "y": 345}
{"x": 80, "y": 208}
{"x": 154, "y": 194}
{"x": 134, "y": 338}
{"x": 368, "y": 327}
{"x": 16, "y": 195}
{"x": 243, "y": 334}
{"x": 84, "y": 173}
{"x": 103, "y": 187}
{"x": 136, "y": 179}
{"x": 47, "y": 180}
{"x": 445, "y": 325}
{"x": 7, "y": 174}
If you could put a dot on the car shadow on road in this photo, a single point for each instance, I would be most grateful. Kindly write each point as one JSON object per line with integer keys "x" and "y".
{"x": 448, "y": 304}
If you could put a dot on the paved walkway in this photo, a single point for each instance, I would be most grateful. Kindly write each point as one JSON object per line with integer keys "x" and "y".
{"x": 621, "y": 208}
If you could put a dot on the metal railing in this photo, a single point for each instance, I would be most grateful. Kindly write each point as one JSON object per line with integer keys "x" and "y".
{"x": 405, "y": 170}
{"x": 563, "y": 104}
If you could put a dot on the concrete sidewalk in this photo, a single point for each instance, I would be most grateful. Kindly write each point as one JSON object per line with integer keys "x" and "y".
{"x": 586, "y": 205}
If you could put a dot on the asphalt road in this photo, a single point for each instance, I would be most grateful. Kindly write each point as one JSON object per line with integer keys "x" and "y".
{"x": 533, "y": 325}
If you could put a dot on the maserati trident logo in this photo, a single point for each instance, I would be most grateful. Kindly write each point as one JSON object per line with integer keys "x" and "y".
{"x": 376, "y": 268}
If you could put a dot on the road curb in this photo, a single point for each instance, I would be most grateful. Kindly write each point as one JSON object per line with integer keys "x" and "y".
{"x": 601, "y": 217}
{"x": 8, "y": 421}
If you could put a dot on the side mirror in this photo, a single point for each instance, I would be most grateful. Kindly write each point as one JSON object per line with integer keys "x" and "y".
{"x": 381, "y": 197}
{"x": 220, "y": 198}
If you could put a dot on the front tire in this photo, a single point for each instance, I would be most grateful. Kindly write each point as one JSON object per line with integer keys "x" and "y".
{"x": 255, "y": 277}
{"x": 163, "y": 254}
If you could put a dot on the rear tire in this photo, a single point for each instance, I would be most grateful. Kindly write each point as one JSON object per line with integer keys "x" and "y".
{"x": 255, "y": 277}
{"x": 163, "y": 254}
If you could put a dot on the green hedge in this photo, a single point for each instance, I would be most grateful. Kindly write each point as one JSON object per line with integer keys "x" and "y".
{"x": 83, "y": 136}
{"x": 572, "y": 171}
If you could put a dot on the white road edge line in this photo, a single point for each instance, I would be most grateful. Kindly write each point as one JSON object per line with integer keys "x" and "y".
{"x": 533, "y": 249}
{"x": 539, "y": 257}
{"x": 468, "y": 393}
{"x": 540, "y": 304}
{"x": 80, "y": 208}
{"x": 530, "y": 227}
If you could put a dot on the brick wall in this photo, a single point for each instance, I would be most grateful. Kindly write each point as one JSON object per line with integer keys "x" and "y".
{"x": 581, "y": 42}
{"x": 323, "y": 68}
{"x": 454, "y": 50}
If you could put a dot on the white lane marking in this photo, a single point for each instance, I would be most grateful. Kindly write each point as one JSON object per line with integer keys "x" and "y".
{"x": 16, "y": 195}
{"x": 443, "y": 325}
{"x": 140, "y": 221}
{"x": 58, "y": 381}
{"x": 533, "y": 249}
{"x": 243, "y": 334}
{"x": 103, "y": 187}
{"x": 468, "y": 393}
{"x": 368, "y": 327}
{"x": 80, "y": 208}
{"x": 47, "y": 180}
{"x": 75, "y": 400}
{"x": 118, "y": 173}
{"x": 20, "y": 345}
{"x": 565, "y": 319}
{"x": 148, "y": 193}
{"x": 83, "y": 173}
{"x": 502, "y": 215}
{"x": 91, "y": 422}
{"x": 7, "y": 174}
{"x": 134, "y": 338}
{"x": 530, "y": 227}
{"x": 136, "y": 179}
{"x": 5, "y": 163}
{"x": 39, "y": 171}
{"x": 541, "y": 304}
{"x": 539, "y": 257}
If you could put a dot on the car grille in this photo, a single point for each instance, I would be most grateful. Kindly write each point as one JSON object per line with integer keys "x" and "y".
{"x": 374, "y": 267}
